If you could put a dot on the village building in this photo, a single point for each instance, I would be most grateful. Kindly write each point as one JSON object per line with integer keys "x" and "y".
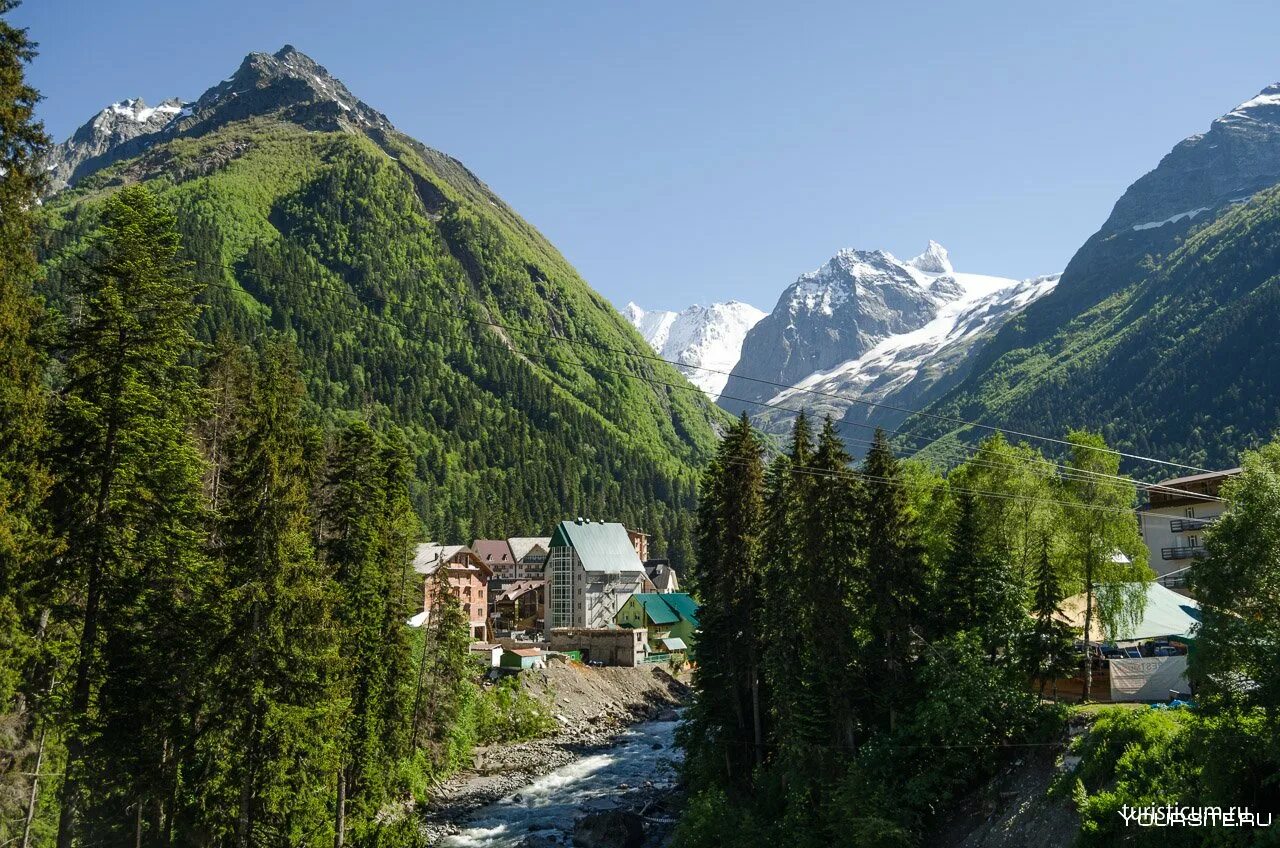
{"x": 662, "y": 576}
{"x": 592, "y": 568}
{"x": 639, "y": 541}
{"x": 1173, "y": 522}
{"x": 614, "y": 646}
{"x": 521, "y": 659}
{"x": 518, "y": 604}
{"x": 489, "y": 652}
{"x": 670, "y": 619}
{"x": 496, "y": 554}
{"x": 464, "y": 575}
{"x": 530, "y": 553}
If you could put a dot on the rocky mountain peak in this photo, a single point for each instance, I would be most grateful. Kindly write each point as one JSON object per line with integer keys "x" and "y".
{"x": 1204, "y": 174}
{"x": 107, "y": 137}
{"x": 287, "y": 84}
{"x": 934, "y": 260}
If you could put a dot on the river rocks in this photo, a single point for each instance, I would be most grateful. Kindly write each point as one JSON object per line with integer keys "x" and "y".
{"x": 609, "y": 829}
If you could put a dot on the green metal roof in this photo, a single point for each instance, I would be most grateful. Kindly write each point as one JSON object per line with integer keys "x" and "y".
{"x": 600, "y": 547}
{"x": 655, "y": 609}
{"x": 683, "y": 604}
{"x": 669, "y": 607}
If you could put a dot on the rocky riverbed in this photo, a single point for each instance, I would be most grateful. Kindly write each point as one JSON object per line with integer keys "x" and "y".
{"x": 606, "y": 778}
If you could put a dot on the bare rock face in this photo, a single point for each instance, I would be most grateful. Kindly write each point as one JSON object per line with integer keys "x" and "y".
{"x": 115, "y": 133}
{"x": 833, "y": 315}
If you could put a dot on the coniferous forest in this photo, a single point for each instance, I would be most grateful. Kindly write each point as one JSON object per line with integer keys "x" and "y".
{"x": 877, "y": 644}
{"x": 204, "y": 578}
{"x": 244, "y": 372}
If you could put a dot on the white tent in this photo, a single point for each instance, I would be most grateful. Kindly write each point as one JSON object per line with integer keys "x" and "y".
{"x": 1165, "y": 613}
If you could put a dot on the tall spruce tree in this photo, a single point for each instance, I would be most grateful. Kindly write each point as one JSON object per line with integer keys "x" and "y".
{"x": 1048, "y": 647}
{"x": 798, "y": 708}
{"x": 977, "y": 591}
{"x": 24, "y": 478}
{"x": 730, "y": 712}
{"x": 897, "y": 578}
{"x": 268, "y": 753}
{"x": 128, "y": 500}
{"x": 442, "y": 696}
{"x": 836, "y": 577}
{"x": 368, "y": 530}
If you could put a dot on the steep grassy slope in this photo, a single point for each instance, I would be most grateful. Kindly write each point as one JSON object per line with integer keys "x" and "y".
{"x": 1180, "y": 364}
{"x": 385, "y": 258}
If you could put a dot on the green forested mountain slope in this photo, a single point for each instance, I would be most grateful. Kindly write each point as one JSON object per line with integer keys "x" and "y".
{"x": 1181, "y": 364}
{"x": 1159, "y": 331}
{"x": 304, "y": 209}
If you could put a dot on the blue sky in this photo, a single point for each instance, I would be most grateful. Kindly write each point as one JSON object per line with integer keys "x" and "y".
{"x": 682, "y": 152}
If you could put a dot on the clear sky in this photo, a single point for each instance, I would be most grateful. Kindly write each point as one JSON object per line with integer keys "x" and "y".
{"x": 688, "y": 151}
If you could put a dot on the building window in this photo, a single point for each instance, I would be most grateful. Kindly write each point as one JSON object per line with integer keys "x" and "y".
{"x": 561, "y": 574}
{"x": 1191, "y": 512}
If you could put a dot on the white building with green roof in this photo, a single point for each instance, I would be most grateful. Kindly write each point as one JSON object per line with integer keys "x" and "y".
{"x": 592, "y": 568}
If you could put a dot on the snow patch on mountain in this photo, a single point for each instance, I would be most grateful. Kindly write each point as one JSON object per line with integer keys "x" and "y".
{"x": 706, "y": 341}
{"x": 1173, "y": 219}
{"x": 984, "y": 304}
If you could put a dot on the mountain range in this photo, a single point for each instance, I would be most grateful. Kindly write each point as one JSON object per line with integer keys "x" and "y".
{"x": 417, "y": 297}
{"x": 420, "y": 297}
{"x": 1164, "y": 330}
{"x": 866, "y": 326}
{"x": 1161, "y": 333}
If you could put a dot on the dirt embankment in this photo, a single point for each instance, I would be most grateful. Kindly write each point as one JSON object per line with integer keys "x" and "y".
{"x": 1014, "y": 809}
{"x": 591, "y": 706}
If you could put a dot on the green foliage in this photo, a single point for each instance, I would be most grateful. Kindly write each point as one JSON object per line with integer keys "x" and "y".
{"x": 1239, "y": 586}
{"x": 506, "y": 712}
{"x": 729, "y": 715}
{"x": 902, "y": 613}
{"x": 129, "y": 502}
{"x": 391, "y": 274}
{"x": 1119, "y": 339}
{"x": 24, "y": 477}
{"x": 1138, "y": 758}
{"x": 264, "y": 760}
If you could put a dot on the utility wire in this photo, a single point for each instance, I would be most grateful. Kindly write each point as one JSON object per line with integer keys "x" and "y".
{"x": 774, "y": 384}
{"x": 686, "y": 387}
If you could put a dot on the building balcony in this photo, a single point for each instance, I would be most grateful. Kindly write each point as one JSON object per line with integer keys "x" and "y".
{"x": 1182, "y": 553}
{"x": 1187, "y": 525}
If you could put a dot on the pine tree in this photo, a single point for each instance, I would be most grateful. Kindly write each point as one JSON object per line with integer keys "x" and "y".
{"x": 731, "y": 708}
{"x": 896, "y": 577}
{"x": 128, "y": 500}
{"x": 976, "y": 590}
{"x": 266, "y": 759}
{"x": 799, "y": 709}
{"x": 1048, "y": 652}
{"x": 24, "y": 479}
{"x": 835, "y": 574}
{"x": 369, "y": 530}
{"x": 442, "y": 694}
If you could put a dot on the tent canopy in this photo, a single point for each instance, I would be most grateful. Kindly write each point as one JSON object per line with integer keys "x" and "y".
{"x": 1166, "y": 613}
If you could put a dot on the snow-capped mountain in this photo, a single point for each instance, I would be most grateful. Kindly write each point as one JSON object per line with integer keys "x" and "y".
{"x": 868, "y": 326}
{"x": 107, "y": 137}
{"x": 705, "y": 340}
{"x": 907, "y": 370}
